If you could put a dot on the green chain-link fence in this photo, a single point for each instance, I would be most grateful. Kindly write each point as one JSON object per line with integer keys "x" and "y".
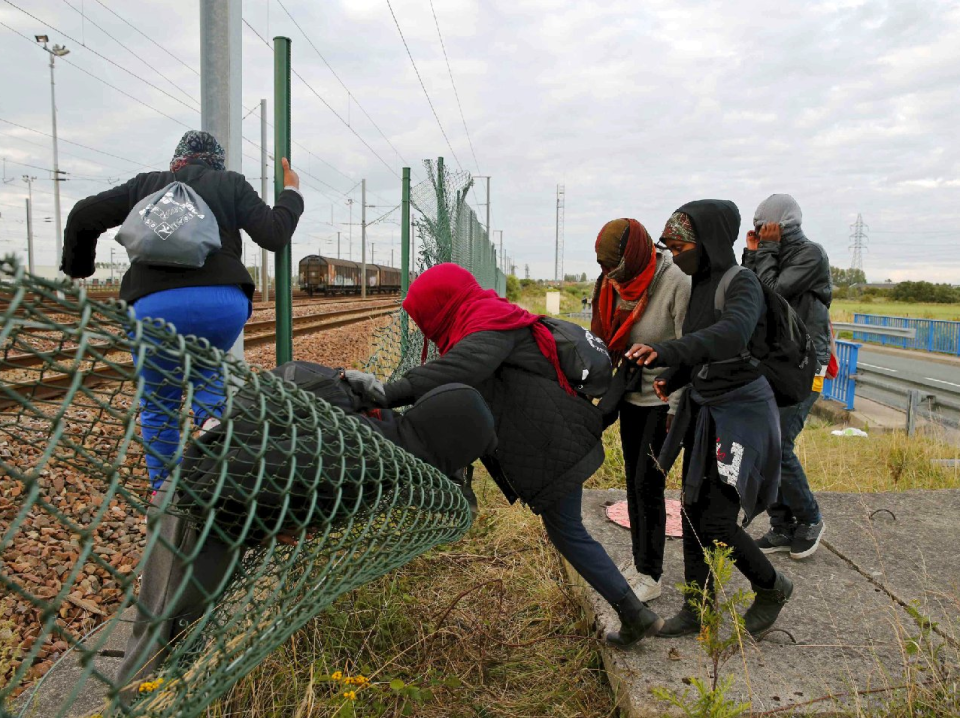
{"x": 325, "y": 504}
{"x": 446, "y": 229}
{"x": 75, "y": 497}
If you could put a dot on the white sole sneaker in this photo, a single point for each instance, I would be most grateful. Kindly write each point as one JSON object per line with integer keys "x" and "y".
{"x": 774, "y": 549}
{"x": 798, "y": 555}
{"x": 646, "y": 588}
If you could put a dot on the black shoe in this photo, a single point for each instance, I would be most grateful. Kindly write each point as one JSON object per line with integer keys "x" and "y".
{"x": 464, "y": 481}
{"x": 767, "y": 605}
{"x": 685, "y": 623}
{"x": 806, "y": 539}
{"x": 775, "y": 540}
{"x": 637, "y": 622}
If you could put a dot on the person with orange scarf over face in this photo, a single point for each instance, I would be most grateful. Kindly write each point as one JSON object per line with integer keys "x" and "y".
{"x": 640, "y": 297}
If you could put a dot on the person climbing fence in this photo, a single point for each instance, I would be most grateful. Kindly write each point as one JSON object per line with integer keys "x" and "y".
{"x": 330, "y": 514}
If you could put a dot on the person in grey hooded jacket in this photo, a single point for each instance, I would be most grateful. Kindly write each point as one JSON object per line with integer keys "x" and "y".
{"x": 796, "y": 268}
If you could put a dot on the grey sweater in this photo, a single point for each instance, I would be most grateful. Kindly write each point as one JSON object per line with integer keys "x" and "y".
{"x": 662, "y": 320}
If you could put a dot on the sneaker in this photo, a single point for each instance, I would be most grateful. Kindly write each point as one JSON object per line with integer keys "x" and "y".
{"x": 773, "y": 541}
{"x": 629, "y": 572}
{"x": 646, "y": 588}
{"x": 806, "y": 539}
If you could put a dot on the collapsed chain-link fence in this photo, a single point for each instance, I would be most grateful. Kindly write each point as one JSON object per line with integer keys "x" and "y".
{"x": 446, "y": 229}
{"x": 278, "y": 504}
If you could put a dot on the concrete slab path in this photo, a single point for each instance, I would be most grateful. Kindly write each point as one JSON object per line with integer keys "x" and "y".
{"x": 845, "y": 627}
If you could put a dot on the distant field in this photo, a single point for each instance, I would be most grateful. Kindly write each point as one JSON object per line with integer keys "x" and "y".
{"x": 844, "y": 309}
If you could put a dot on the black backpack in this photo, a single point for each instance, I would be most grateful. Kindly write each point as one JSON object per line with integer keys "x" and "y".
{"x": 583, "y": 356}
{"x": 791, "y": 364}
{"x": 267, "y": 478}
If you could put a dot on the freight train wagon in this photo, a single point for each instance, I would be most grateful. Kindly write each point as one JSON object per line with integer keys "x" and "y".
{"x": 325, "y": 275}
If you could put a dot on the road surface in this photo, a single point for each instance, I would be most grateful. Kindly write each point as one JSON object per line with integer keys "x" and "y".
{"x": 914, "y": 371}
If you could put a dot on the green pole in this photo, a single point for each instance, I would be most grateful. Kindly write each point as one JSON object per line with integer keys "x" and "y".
{"x": 281, "y": 145}
{"x": 404, "y": 255}
{"x": 443, "y": 220}
{"x": 405, "y": 233}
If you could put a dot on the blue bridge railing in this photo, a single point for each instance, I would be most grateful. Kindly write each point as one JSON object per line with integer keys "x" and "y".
{"x": 843, "y": 387}
{"x": 933, "y": 335}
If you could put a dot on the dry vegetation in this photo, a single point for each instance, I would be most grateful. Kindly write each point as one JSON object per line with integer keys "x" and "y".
{"x": 486, "y": 627}
{"x": 480, "y": 628}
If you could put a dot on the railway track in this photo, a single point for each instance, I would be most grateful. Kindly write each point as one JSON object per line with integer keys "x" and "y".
{"x": 256, "y": 333}
{"x": 263, "y": 332}
{"x": 299, "y": 300}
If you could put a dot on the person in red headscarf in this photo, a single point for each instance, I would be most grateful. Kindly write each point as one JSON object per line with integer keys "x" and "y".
{"x": 640, "y": 297}
{"x": 549, "y": 437}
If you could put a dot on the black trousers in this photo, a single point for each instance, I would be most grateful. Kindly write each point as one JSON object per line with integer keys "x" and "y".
{"x": 713, "y": 517}
{"x": 642, "y": 431}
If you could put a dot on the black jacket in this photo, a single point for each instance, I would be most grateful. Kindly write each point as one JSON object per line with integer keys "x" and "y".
{"x": 549, "y": 441}
{"x": 799, "y": 271}
{"x": 234, "y": 203}
{"x": 706, "y": 338}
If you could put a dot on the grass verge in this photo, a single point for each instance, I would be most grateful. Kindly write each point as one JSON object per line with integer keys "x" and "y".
{"x": 842, "y": 310}
{"x": 484, "y": 627}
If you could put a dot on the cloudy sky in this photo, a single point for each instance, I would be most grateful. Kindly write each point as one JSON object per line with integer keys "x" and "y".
{"x": 635, "y": 107}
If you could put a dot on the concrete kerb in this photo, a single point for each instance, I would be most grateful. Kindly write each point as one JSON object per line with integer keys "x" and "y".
{"x": 61, "y": 680}
{"x": 849, "y": 626}
{"x": 867, "y": 415}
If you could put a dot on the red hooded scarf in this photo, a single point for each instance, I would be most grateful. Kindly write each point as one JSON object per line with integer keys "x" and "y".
{"x": 447, "y": 304}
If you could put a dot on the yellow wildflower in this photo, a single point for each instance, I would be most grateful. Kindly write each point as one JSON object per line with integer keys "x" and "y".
{"x": 150, "y": 686}
{"x": 350, "y": 695}
{"x": 337, "y": 675}
{"x": 361, "y": 680}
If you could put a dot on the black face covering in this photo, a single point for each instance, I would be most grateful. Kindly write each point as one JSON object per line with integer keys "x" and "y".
{"x": 688, "y": 261}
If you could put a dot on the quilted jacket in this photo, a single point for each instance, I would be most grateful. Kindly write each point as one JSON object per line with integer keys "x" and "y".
{"x": 549, "y": 442}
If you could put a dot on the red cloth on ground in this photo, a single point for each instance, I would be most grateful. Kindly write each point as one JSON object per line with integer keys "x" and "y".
{"x": 629, "y": 281}
{"x": 447, "y": 304}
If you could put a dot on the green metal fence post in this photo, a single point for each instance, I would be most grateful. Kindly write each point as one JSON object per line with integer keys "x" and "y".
{"x": 405, "y": 233}
{"x": 404, "y": 254}
{"x": 281, "y": 148}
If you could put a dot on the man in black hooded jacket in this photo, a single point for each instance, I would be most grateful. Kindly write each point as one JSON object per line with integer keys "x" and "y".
{"x": 799, "y": 271}
{"x": 727, "y": 420}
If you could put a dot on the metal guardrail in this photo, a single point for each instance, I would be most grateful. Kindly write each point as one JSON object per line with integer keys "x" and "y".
{"x": 935, "y": 402}
{"x": 901, "y": 332}
{"x": 925, "y": 400}
{"x": 932, "y": 335}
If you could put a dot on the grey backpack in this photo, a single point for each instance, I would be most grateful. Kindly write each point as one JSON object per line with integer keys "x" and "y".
{"x": 173, "y": 227}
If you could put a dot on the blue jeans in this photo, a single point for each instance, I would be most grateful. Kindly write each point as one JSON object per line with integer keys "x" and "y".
{"x": 795, "y": 502}
{"x": 565, "y": 528}
{"x": 215, "y": 313}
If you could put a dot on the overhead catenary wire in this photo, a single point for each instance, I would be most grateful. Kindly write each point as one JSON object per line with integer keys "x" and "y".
{"x": 34, "y": 167}
{"x": 150, "y": 39}
{"x": 140, "y": 79}
{"x": 426, "y": 94}
{"x": 455, "y": 93}
{"x": 18, "y": 138}
{"x": 325, "y": 103}
{"x": 132, "y": 52}
{"x": 70, "y": 142}
{"x": 99, "y": 79}
{"x": 254, "y": 112}
{"x": 342, "y": 83}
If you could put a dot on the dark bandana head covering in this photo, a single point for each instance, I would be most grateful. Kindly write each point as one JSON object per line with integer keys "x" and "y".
{"x": 680, "y": 228}
{"x": 198, "y": 145}
{"x": 628, "y": 260}
{"x": 611, "y": 243}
